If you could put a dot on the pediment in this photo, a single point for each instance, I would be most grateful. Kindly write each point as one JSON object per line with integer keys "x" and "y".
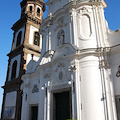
{"x": 64, "y": 50}
{"x": 31, "y": 66}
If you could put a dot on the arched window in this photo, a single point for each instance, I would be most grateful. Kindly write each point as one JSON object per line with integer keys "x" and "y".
{"x": 19, "y": 38}
{"x": 30, "y": 8}
{"x": 14, "y": 69}
{"x": 36, "y": 39}
{"x": 38, "y": 11}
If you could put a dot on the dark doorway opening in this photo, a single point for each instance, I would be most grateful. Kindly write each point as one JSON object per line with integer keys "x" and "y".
{"x": 34, "y": 113}
{"x": 61, "y": 106}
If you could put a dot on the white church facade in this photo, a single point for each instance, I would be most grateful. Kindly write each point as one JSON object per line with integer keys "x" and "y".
{"x": 77, "y": 75}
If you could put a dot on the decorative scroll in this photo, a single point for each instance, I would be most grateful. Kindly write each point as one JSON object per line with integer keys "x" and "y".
{"x": 61, "y": 65}
{"x": 118, "y": 72}
{"x": 27, "y": 85}
{"x": 35, "y": 89}
{"x": 47, "y": 75}
{"x": 72, "y": 68}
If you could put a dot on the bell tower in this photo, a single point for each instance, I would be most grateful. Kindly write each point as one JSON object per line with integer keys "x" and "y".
{"x": 26, "y": 45}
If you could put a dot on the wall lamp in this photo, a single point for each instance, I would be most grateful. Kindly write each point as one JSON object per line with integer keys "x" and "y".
{"x": 22, "y": 93}
{"x": 44, "y": 87}
{"x": 71, "y": 82}
{"x": 25, "y": 95}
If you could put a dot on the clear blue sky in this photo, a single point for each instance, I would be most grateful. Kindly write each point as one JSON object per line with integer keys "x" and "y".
{"x": 10, "y": 13}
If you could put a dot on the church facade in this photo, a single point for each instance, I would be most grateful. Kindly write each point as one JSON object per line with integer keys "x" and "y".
{"x": 77, "y": 75}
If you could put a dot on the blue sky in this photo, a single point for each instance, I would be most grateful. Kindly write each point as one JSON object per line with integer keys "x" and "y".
{"x": 10, "y": 13}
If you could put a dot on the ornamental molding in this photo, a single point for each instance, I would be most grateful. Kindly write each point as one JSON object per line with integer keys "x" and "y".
{"x": 84, "y": 10}
{"x": 59, "y": 74}
{"x": 72, "y": 68}
{"x": 47, "y": 75}
{"x": 27, "y": 85}
{"x": 60, "y": 64}
{"x": 104, "y": 64}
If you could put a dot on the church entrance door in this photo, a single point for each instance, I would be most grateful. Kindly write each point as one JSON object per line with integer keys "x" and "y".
{"x": 34, "y": 113}
{"x": 61, "y": 106}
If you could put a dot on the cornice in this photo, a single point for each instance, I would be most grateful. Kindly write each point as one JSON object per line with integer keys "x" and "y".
{"x": 32, "y": 48}
{"x": 23, "y": 20}
{"x": 40, "y": 2}
{"x": 11, "y": 83}
{"x": 33, "y": 19}
{"x": 115, "y": 49}
{"x": 16, "y": 51}
{"x": 69, "y": 7}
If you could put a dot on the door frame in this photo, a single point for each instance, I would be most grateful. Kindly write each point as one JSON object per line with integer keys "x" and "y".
{"x": 32, "y": 105}
{"x": 52, "y": 100}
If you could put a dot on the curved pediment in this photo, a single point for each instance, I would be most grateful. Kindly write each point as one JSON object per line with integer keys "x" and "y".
{"x": 50, "y": 56}
{"x": 31, "y": 66}
{"x": 64, "y": 50}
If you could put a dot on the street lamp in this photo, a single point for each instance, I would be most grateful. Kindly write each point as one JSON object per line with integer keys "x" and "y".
{"x": 72, "y": 83}
{"x": 44, "y": 87}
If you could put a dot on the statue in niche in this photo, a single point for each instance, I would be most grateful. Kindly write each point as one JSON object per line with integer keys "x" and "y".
{"x": 61, "y": 37}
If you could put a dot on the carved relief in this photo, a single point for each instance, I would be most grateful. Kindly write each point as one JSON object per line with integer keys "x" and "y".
{"x": 61, "y": 37}
{"x": 61, "y": 65}
{"x": 47, "y": 75}
{"x": 59, "y": 71}
{"x": 27, "y": 85}
{"x": 84, "y": 9}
